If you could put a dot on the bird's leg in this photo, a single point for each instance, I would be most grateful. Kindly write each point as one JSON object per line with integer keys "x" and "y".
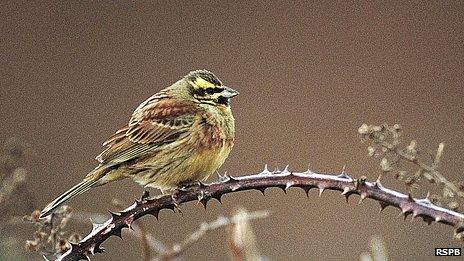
{"x": 146, "y": 195}
{"x": 174, "y": 197}
{"x": 181, "y": 187}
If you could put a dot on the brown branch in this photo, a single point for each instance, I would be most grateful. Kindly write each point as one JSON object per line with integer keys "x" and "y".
{"x": 281, "y": 179}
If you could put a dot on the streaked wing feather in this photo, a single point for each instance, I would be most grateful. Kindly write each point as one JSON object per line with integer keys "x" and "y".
{"x": 157, "y": 122}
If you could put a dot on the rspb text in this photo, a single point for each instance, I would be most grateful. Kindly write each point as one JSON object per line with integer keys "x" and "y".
{"x": 456, "y": 251}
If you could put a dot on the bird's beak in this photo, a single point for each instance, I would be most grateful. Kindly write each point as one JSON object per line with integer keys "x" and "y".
{"x": 229, "y": 92}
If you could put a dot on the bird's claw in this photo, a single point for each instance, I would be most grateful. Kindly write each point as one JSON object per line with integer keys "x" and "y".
{"x": 175, "y": 201}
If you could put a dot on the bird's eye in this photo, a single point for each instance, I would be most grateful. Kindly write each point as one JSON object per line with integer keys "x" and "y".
{"x": 210, "y": 91}
{"x": 200, "y": 92}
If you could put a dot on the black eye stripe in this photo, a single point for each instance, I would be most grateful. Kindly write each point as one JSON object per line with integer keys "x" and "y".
{"x": 206, "y": 92}
{"x": 213, "y": 90}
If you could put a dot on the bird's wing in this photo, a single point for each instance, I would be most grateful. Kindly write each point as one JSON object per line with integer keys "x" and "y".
{"x": 155, "y": 122}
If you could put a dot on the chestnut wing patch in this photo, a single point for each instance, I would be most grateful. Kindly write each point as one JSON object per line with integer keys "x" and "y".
{"x": 151, "y": 126}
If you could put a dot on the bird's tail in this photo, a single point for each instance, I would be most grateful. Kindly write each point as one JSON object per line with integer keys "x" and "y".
{"x": 80, "y": 188}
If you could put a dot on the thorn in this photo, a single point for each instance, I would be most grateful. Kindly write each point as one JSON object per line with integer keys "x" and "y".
{"x": 171, "y": 207}
{"x": 309, "y": 169}
{"x": 405, "y": 216}
{"x": 346, "y": 190}
{"x": 362, "y": 197}
{"x": 87, "y": 256}
{"x": 118, "y": 232}
{"x": 129, "y": 221}
{"x": 383, "y": 205}
{"x": 265, "y": 171}
{"x": 202, "y": 185}
{"x": 203, "y": 198}
{"x": 92, "y": 249}
{"x": 414, "y": 215}
{"x": 114, "y": 215}
{"x": 321, "y": 190}
{"x": 405, "y": 213}
{"x": 378, "y": 185}
{"x": 343, "y": 175}
{"x": 224, "y": 178}
{"x": 460, "y": 229}
{"x": 346, "y": 193}
{"x": 218, "y": 197}
{"x": 232, "y": 179}
{"x": 438, "y": 219}
{"x": 424, "y": 201}
{"x": 306, "y": 190}
{"x": 262, "y": 189}
{"x": 286, "y": 171}
{"x": 204, "y": 202}
{"x": 283, "y": 188}
{"x": 288, "y": 185}
{"x": 154, "y": 213}
{"x": 347, "y": 197}
{"x": 73, "y": 245}
{"x": 428, "y": 219}
{"x": 95, "y": 226}
{"x": 410, "y": 198}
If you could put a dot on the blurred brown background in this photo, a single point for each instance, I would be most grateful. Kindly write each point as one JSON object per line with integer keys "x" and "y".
{"x": 309, "y": 74}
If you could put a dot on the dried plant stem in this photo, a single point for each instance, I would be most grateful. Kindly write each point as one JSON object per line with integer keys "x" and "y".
{"x": 432, "y": 170}
{"x": 281, "y": 179}
{"x": 241, "y": 240}
{"x": 205, "y": 227}
{"x": 146, "y": 250}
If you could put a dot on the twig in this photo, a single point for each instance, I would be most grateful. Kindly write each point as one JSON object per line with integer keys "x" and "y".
{"x": 146, "y": 250}
{"x": 432, "y": 170}
{"x": 281, "y": 179}
{"x": 378, "y": 250}
{"x": 205, "y": 227}
{"x": 242, "y": 241}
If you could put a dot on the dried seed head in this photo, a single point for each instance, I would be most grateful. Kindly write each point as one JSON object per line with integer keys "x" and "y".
{"x": 453, "y": 205}
{"x": 363, "y": 129}
{"x": 461, "y": 185}
{"x": 386, "y": 165}
{"x": 31, "y": 246}
{"x": 370, "y": 151}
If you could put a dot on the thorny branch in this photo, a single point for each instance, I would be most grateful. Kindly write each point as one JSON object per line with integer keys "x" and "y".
{"x": 281, "y": 179}
{"x": 240, "y": 231}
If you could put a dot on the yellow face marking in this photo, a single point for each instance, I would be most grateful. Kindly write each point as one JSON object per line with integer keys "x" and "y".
{"x": 202, "y": 83}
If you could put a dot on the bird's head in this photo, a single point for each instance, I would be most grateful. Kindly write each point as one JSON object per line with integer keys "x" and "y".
{"x": 206, "y": 88}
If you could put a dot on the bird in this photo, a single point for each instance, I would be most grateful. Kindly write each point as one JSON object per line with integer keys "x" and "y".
{"x": 178, "y": 136}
